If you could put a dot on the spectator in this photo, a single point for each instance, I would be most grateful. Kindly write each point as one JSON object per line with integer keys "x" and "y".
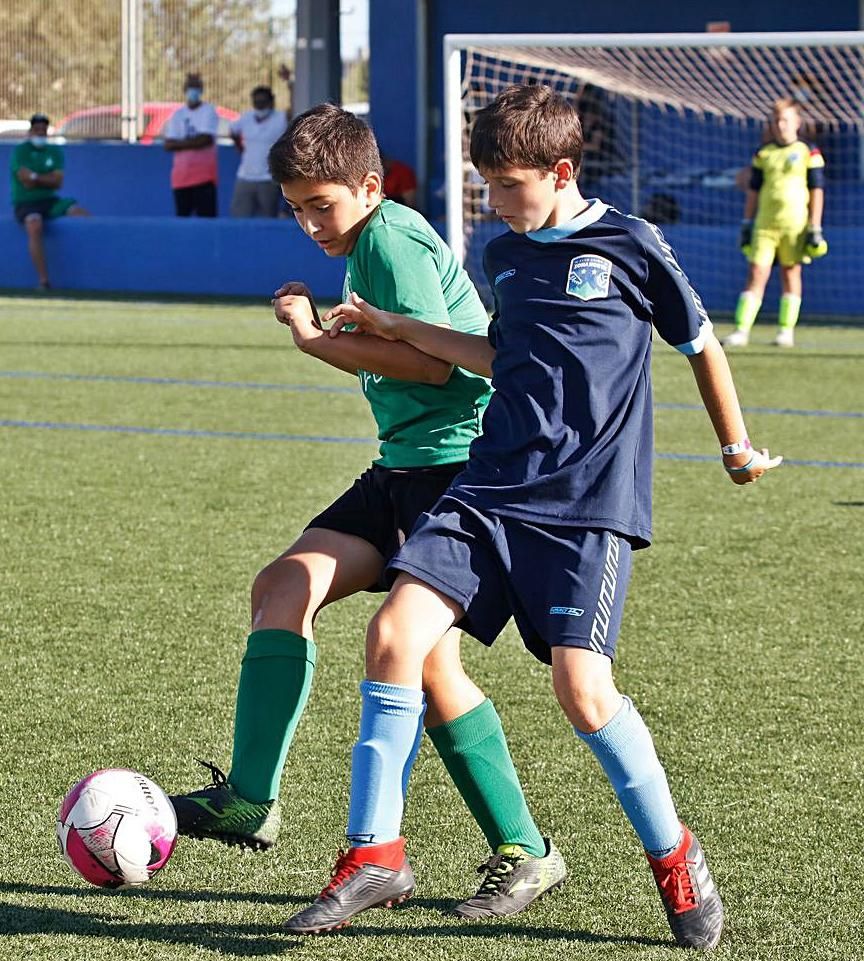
{"x": 190, "y": 135}
{"x": 254, "y": 133}
{"x": 400, "y": 182}
{"x": 37, "y": 175}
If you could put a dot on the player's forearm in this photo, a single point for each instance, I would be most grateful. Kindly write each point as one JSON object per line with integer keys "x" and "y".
{"x": 717, "y": 389}
{"x": 751, "y": 204}
{"x": 470, "y": 351}
{"x": 817, "y": 205}
{"x": 352, "y": 352}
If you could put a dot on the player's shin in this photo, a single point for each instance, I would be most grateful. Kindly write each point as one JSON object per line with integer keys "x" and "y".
{"x": 391, "y": 723}
{"x": 474, "y": 751}
{"x": 625, "y": 750}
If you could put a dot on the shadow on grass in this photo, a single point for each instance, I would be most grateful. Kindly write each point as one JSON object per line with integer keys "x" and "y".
{"x": 260, "y": 940}
{"x": 240, "y": 940}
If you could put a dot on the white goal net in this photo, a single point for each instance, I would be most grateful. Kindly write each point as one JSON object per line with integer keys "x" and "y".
{"x": 671, "y": 123}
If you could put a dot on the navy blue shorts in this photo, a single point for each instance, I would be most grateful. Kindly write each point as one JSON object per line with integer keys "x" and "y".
{"x": 563, "y": 586}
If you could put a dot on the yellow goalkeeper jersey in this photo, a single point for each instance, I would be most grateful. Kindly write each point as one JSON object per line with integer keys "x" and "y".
{"x": 784, "y": 175}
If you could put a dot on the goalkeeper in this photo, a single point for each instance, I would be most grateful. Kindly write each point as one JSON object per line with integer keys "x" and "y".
{"x": 782, "y": 221}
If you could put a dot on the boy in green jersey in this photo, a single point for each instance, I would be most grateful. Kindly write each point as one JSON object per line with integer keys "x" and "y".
{"x": 428, "y": 412}
{"x": 37, "y": 174}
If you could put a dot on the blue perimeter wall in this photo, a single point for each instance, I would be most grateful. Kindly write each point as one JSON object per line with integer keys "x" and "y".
{"x": 135, "y": 243}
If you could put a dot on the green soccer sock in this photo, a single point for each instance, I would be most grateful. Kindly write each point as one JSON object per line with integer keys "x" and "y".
{"x": 790, "y": 307}
{"x": 746, "y": 311}
{"x": 474, "y": 751}
{"x": 274, "y": 686}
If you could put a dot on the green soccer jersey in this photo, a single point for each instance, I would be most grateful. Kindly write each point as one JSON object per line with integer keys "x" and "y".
{"x": 43, "y": 160}
{"x": 399, "y": 263}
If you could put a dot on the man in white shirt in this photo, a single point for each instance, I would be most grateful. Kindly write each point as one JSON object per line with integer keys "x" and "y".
{"x": 254, "y": 133}
{"x": 190, "y": 135}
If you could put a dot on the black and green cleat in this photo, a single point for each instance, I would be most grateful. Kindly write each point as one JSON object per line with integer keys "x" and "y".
{"x": 219, "y": 813}
{"x": 514, "y": 880}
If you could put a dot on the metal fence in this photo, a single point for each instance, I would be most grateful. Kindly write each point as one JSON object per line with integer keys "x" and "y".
{"x": 109, "y": 69}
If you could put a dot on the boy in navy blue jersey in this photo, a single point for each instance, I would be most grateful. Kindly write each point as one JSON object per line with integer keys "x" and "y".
{"x": 556, "y": 495}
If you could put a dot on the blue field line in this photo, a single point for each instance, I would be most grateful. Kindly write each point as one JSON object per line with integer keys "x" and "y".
{"x": 322, "y": 389}
{"x": 785, "y": 411}
{"x": 323, "y": 439}
{"x": 178, "y": 382}
{"x": 183, "y": 432}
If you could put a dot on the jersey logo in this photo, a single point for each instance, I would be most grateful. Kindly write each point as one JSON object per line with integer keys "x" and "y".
{"x": 504, "y": 275}
{"x": 588, "y": 277}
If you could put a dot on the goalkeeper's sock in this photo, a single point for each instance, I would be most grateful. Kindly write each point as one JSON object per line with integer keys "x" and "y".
{"x": 790, "y": 307}
{"x": 746, "y": 311}
{"x": 474, "y": 751}
{"x": 274, "y": 686}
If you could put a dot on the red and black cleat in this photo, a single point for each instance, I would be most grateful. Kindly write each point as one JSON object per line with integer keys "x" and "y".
{"x": 375, "y": 876}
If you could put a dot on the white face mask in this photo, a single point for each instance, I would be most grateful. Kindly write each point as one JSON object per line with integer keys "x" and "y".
{"x": 38, "y": 141}
{"x": 263, "y": 114}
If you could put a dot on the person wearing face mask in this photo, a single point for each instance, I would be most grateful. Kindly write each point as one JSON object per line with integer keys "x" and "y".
{"x": 37, "y": 174}
{"x": 190, "y": 135}
{"x": 254, "y": 133}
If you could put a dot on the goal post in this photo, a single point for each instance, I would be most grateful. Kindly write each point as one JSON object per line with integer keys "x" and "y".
{"x": 671, "y": 125}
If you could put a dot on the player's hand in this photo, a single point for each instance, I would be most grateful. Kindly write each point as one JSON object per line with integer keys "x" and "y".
{"x": 284, "y": 72}
{"x": 815, "y": 245}
{"x": 745, "y": 238}
{"x": 751, "y": 471}
{"x": 293, "y": 306}
{"x": 365, "y": 318}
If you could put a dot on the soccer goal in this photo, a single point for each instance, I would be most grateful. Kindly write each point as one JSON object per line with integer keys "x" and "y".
{"x": 671, "y": 123}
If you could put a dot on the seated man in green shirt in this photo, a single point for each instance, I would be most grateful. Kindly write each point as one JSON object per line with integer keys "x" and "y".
{"x": 37, "y": 175}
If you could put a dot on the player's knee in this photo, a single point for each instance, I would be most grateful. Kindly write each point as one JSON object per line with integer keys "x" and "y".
{"x": 285, "y": 581}
{"x": 588, "y": 700}
{"x": 33, "y": 226}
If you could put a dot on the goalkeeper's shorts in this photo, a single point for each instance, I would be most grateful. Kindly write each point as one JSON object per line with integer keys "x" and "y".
{"x": 785, "y": 245}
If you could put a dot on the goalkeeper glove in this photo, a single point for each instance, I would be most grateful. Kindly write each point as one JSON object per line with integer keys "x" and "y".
{"x": 815, "y": 244}
{"x": 745, "y": 239}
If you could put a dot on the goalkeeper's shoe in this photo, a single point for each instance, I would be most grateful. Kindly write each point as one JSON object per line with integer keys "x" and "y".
{"x": 738, "y": 338}
{"x": 218, "y": 812}
{"x": 693, "y": 906}
{"x": 513, "y": 880}
{"x": 376, "y": 876}
{"x": 785, "y": 337}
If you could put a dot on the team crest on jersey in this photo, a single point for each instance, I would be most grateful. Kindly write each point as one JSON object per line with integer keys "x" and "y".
{"x": 588, "y": 277}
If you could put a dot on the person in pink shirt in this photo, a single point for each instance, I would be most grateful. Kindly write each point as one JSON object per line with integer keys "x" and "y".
{"x": 190, "y": 135}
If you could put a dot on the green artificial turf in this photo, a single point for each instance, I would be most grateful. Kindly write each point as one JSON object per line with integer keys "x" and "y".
{"x": 126, "y": 563}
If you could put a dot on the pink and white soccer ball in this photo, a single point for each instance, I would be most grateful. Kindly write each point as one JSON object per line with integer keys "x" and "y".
{"x": 116, "y": 828}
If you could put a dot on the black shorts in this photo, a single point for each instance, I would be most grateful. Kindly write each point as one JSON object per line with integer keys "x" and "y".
{"x": 200, "y": 199}
{"x": 383, "y": 504}
{"x": 48, "y": 208}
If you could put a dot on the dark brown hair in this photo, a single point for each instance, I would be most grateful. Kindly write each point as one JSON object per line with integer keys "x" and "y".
{"x": 526, "y": 126}
{"x": 326, "y": 145}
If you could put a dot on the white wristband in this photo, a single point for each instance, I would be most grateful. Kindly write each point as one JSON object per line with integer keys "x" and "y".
{"x": 739, "y": 447}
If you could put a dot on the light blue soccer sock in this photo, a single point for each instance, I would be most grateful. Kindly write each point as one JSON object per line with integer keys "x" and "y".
{"x": 391, "y": 726}
{"x": 625, "y": 750}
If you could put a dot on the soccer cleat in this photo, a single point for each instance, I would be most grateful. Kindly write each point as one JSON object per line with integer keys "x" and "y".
{"x": 738, "y": 338}
{"x": 514, "y": 880}
{"x": 693, "y": 906}
{"x": 785, "y": 337}
{"x": 376, "y": 876}
{"x": 218, "y": 812}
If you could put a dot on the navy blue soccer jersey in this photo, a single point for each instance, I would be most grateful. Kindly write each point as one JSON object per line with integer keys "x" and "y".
{"x": 568, "y": 435}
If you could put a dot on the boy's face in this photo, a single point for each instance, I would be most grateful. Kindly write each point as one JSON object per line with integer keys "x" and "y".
{"x": 332, "y": 214}
{"x": 785, "y": 124}
{"x": 524, "y": 198}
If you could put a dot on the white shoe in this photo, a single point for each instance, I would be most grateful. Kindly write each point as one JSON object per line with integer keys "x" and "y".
{"x": 785, "y": 337}
{"x": 738, "y": 338}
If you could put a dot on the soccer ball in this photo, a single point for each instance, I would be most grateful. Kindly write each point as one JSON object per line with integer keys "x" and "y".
{"x": 116, "y": 828}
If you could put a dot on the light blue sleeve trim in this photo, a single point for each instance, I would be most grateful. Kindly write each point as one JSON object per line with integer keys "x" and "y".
{"x": 693, "y": 347}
